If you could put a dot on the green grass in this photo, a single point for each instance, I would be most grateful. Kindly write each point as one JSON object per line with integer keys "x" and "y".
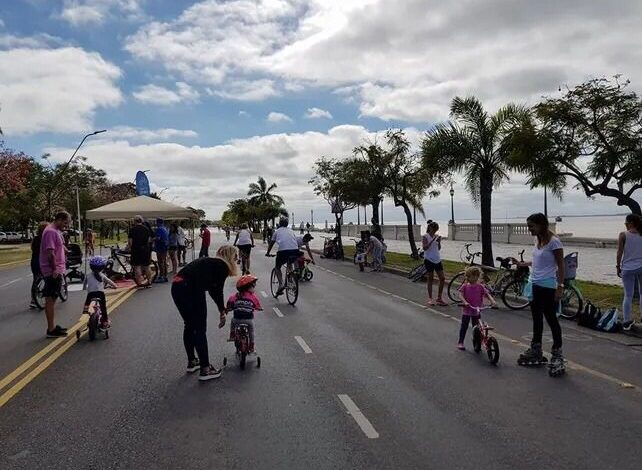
{"x": 602, "y": 295}
{"x": 15, "y": 253}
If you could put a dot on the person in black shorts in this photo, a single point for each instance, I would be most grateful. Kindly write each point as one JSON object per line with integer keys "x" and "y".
{"x": 138, "y": 244}
{"x": 288, "y": 249}
{"x": 244, "y": 241}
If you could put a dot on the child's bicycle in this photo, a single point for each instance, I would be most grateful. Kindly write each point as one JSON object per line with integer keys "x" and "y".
{"x": 303, "y": 269}
{"x": 242, "y": 344}
{"x": 482, "y": 337}
{"x": 93, "y": 324}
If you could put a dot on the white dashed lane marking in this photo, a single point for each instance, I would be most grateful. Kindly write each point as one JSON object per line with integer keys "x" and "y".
{"x": 303, "y": 345}
{"x": 278, "y": 312}
{"x": 354, "y": 411}
{"x": 264, "y": 294}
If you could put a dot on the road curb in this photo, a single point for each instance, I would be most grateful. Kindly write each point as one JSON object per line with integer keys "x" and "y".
{"x": 636, "y": 330}
{"x": 14, "y": 263}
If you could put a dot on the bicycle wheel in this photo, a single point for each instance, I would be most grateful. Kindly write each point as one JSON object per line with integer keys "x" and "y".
{"x": 292, "y": 288}
{"x": 513, "y": 295}
{"x": 154, "y": 268}
{"x": 476, "y": 339}
{"x": 36, "y": 293}
{"x": 92, "y": 326}
{"x": 64, "y": 290}
{"x": 417, "y": 272}
{"x": 572, "y": 302}
{"x": 308, "y": 275}
{"x": 274, "y": 283}
{"x": 493, "y": 350}
{"x": 454, "y": 285}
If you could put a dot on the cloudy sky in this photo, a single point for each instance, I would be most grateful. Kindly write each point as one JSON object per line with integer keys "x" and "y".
{"x": 210, "y": 94}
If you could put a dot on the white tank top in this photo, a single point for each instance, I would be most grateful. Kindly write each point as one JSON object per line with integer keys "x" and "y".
{"x": 244, "y": 238}
{"x": 632, "y": 257}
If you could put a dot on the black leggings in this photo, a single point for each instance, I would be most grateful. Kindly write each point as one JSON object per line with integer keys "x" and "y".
{"x": 544, "y": 306}
{"x": 204, "y": 253}
{"x": 101, "y": 300}
{"x": 465, "y": 319}
{"x": 192, "y": 305}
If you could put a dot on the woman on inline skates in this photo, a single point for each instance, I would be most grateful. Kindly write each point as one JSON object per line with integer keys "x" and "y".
{"x": 547, "y": 280}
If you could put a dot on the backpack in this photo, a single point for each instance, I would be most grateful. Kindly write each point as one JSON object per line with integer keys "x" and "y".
{"x": 590, "y": 316}
{"x": 609, "y": 321}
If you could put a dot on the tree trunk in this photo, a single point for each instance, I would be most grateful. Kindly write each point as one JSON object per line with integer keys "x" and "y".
{"x": 337, "y": 230}
{"x": 411, "y": 235}
{"x": 485, "y": 199}
{"x": 631, "y": 204}
{"x": 375, "y": 210}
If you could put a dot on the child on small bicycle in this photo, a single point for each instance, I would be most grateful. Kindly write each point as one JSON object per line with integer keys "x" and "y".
{"x": 243, "y": 304}
{"x": 96, "y": 282}
{"x": 472, "y": 294}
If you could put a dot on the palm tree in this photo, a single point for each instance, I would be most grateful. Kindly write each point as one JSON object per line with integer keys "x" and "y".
{"x": 261, "y": 195}
{"x": 477, "y": 144}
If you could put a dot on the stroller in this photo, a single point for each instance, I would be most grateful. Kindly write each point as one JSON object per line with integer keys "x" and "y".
{"x": 74, "y": 262}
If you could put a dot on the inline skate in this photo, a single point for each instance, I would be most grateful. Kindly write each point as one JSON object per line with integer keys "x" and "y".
{"x": 532, "y": 356}
{"x": 557, "y": 366}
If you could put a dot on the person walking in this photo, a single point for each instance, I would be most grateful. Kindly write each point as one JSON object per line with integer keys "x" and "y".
{"x": 206, "y": 238}
{"x": 161, "y": 245}
{"x": 629, "y": 265}
{"x": 188, "y": 292}
{"x": 431, "y": 243}
{"x": 547, "y": 284}
{"x": 53, "y": 263}
{"x": 35, "y": 262}
{"x": 375, "y": 250}
{"x": 182, "y": 246}
{"x": 307, "y": 226}
{"x": 301, "y": 228}
{"x": 173, "y": 246}
{"x": 89, "y": 242}
{"x": 138, "y": 242}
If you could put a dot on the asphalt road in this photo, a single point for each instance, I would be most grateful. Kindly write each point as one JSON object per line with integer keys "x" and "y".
{"x": 415, "y": 401}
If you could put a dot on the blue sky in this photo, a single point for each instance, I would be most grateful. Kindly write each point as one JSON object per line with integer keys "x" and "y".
{"x": 209, "y": 94}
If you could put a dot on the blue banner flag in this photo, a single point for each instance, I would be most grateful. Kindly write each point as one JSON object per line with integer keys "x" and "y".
{"x": 142, "y": 184}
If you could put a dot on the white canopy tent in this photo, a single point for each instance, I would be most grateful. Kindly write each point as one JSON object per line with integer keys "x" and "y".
{"x": 145, "y": 206}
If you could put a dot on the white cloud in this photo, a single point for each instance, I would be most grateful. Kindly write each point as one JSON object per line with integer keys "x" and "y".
{"x": 1, "y": 23}
{"x": 399, "y": 60}
{"x": 86, "y": 12}
{"x": 154, "y": 94}
{"x": 41, "y": 40}
{"x": 278, "y": 117}
{"x": 146, "y": 135}
{"x": 245, "y": 90}
{"x": 244, "y": 113}
{"x": 209, "y": 177}
{"x": 317, "y": 113}
{"x": 61, "y": 94}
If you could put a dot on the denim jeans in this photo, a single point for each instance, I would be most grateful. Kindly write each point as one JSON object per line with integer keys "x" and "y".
{"x": 629, "y": 280}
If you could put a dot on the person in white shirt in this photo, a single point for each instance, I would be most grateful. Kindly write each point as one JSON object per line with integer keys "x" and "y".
{"x": 431, "y": 243}
{"x": 375, "y": 250}
{"x": 182, "y": 246}
{"x": 547, "y": 280}
{"x": 629, "y": 264}
{"x": 304, "y": 242}
{"x": 288, "y": 250}
{"x": 245, "y": 242}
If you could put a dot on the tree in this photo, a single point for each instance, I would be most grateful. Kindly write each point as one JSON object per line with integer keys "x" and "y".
{"x": 593, "y": 135}
{"x": 15, "y": 168}
{"x": 368, "y": 174}
{"x": 477, "y": 144}
{"x": 333, "y": 183}
{"x": 405, "y": 179}
{"x": 268, "y": 205}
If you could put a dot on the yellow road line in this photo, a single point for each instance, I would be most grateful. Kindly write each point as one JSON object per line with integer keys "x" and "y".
{"x": 13, "y": 263}
{"x": 571, "y": 364}
{"x": 46, "y": 350}
{"x": 70, "y": 341}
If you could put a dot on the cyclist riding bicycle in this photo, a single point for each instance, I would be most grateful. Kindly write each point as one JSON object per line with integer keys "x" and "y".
{"x": 288, "y": 250}
{"x": 304, "y": 242}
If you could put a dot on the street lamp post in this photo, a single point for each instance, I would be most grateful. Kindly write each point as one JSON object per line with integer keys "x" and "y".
{"x": 452, "y": 204}
{"x": 162, "y": 191}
